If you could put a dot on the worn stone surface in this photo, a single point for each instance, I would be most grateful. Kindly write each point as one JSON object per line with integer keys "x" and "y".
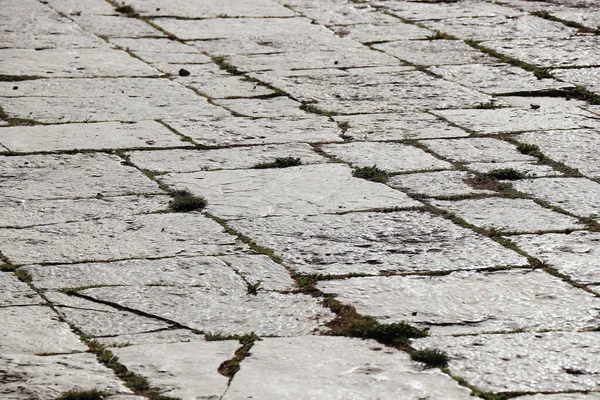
{"x": 468, "y": 302}
{"x": 261, "y": 269}
{"x": 83, "y": 7}
{"x": 425, "y": 11}
{"x": 211, "y": 8}
{"x": 476, "y": 149}
{"x": 17, "y": 293}
{"x": 561, "y": 396}
{"x": 263, "y": 108}
{"x": 223, "y": 87}
{"x": 375, "y": 242}
{"x": 434, "y": 52}
{"x": 365, "y": 372}
{"x": 110, "y": 26}
{"x": 159, "y": 337}
{"x": 162, "y": 50}
{"x": 368, "y": 33}
{"x": 587, "y": 77}
{"x": 531, "y": 169}
{"x": 441, "y": 183}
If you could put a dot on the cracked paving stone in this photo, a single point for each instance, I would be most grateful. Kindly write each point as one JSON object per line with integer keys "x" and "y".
{"x": 75, "y": 176}
{"x": 367, "y": 33}
{"x": 101, "y": 135}
{"x": 47, "y": 335}
{"x": 528, "y": 362}
{"x": 248, "y": 131}
{"x": 434, "y": 52}
{"x": 439, "y": 10}
{"x": 260, "y": 269}
{"x": 263, "y": 108}
{"x": 217, "y": 311}
{"x": 575, "y": 254}
{"x": 375, "y": 242}
{"x": 211, "y": 8}
{"x": 83, "y": 7}
{"x": 391, "y": 157}
{"x": 574, "y": 148}
{"x": 230, "y": 158}
{"x": 110, "y": 26}
{"x": 579, "y": 196}
{"x": 181, "y": 370}
{"x": 476, "y": 149}
{"x": 224, "y": 87}
{"x": 314, "y": 368}
{"x": 156, "y": 50}
{"x": 549, "y": 103}
{"x": 587, "y": 77}
{"x": 159, "y": 337}
{"x": 141, "y": 236}
{"x": 310, "y": 189}
{"x": 47, "y": 377}
{"x": 103, "y": 99}
{"x": 17, "y": 293}
{"x": 442, "y": 183}
{"x": 530, "y": 168}
{"x": 468, "y": 302}
{"x": 80, "y": 63}
{"x": 333, "y": 12}
{"x": 512, "y": 215}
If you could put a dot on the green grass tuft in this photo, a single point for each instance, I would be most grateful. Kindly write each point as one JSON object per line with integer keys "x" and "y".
{"x": 506, "y": 174}
{"x": 280, "y": 162}
{"x": 125, "y": 9}
{"x": 488, "y": 105}
{"x": 530, "y": 149}
{"x": 371, "y": 174}
{"x": 83, "y": 395}
{"x": 184, "y": 201}
{"x": 431, "y": 357}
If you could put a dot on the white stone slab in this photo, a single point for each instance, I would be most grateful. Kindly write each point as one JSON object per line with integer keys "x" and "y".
{"x": 442, "y": 183}
{"x": 529, "y": 168}
{"x": 83, "y": 7}
{"x": 367, "y": 33}
{"x": 527, "y": 362}
{"x": 102, "y": 135}
{"x": 375, "y": 242}
{"x": 476, "y": 149}
{"x": 16, "y": 293}
{"x": 267, "y": 313}
{"x": 311, "y": 189}
{"x": 336, "y": 368}
{"x": 574, "y": 148}
{"x": 208, "y": 272}
{"x": 211, "y": 8}
{"x": 333, "y": 12}
{"x": 587, "y": 77}
{"x": 469, "y": 302}
{"x": 261, "y": 269}
{"x": 548, "y": 104}
{"x": 576, "y": 254}
{"x": 218, "y": 87}
{"x": 37, "y": 177}
{"x": 158, "y": 337}
{"x": 434, "y": 52}
{"x": 159, "y": 50}
{"x": 47, "y": 377}
{"x": 57, "y": 63}
{"x": 264, "y": 108}
{"x": 33, "y": 329}
{"x": 110, "y": 26}
{"x": 181, "y": 370}
{"x": 229, "y": 158}
{"x": 577, "y": 195}
{"x": 512, "y": 215}
{"x": 561, "y": 396}
{"x": 142, "y": 236}
{"x": 391, "y": 157}
{"x": 440, "y": 10}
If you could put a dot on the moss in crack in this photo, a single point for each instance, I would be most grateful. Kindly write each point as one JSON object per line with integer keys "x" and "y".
{"x": 84, "y": 395}
{"x": 507, "y": 174}
{"x": 126, "y": 10}
{"x": 280, "y": 162}
{"x": 185, "y": 201}
{"x": 432, "y": 358}
{"x": 441, "y": 36}
{"x": 572, "y": 24}
{"x": 23, "y": 276}
{"x": 225, "y": 66}
{"x": 371, "y": 174}
{"x": 488, "y": 105}
{"x": 230, "y": 367}
{"x": 310, "y": 108}
{"x": 529, "y": 149}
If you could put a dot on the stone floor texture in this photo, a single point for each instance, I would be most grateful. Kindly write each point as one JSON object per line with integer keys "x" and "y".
{"x": 300, "y": 199}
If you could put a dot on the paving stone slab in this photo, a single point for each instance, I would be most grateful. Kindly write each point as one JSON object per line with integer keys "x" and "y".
{"x": 261, "y": 269}
{"x": 209, "y": 272}
{"x": 211, "y": 8}
{"x": 104, "y": 99}
{"x": 333, "y": 12}
{"x": 33, "y": 329}
{"x": 158, "y": 337}
{"x": 248, "y": 131}
{"x": 529, "y": 168}
{"x": 141, "y": 236}
{"x": 587, "y": 77}
{"x": 16, "y": 293}
{"x": 101, "y": 135}
{"x": 528, "y": 362}
{"x": 83, "y": 7}
{"x": 512, "y": 215}
{"x": 392, "y": 157}
{"x": 230, "y": 158}
{"x": 375, "y": 242}
{"x": 263, "y": 108}
{"x": 417, "y": 125}
{"x": 267, "y": 313}
{"x": 368, "y": 33}
{"x": 518, "y": 120}
{"x": 434, "y": 52}
{"x": 440, "y": 10}
{"x": 314, "y": 368}
{"x": 442, "y": 183}
{"x": 476, "y": 149}
{"x": 70, "y": 176}
{"x": 561, "y": 396}
{"x": 547, "y": 104}
{"x": 156, "y": 50}
{"x": 310, "y": 189}
{"x": 574, "y": 148}
{"x": 575, "y": 254}
{"x": 497, "y": 78}
{"x": 110, "y": 26}
{"x": 468, "y": 302}
{"x": 222, "y": 87}
{"x": 181, "y": 370}
{"x": 577, "y": 195}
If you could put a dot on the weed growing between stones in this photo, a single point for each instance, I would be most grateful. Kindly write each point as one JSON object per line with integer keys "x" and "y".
{"x": 127, "y": 10}
{"x": 280, "y": 162}
{"x": 23, "y": 276}
{"x": 225, "y": 66}
{"x": 309, "y": 108}
{"x": 488, "y": 105}
{"x": 432, "y": 358}
{"x": 506, "y": 174}
{"x": 371, "y": 174}
{"x": 83, "y": 395}
{"x": 441, "y": 36}
{"x": 529, "y": 149}
{"x": 184, "y": 201}
{"x": 252, "y": 288}
{"x": 572, "y": 24}
{"x": 230, "y": 367}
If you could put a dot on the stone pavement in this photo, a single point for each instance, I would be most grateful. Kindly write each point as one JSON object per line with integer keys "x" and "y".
{"x": 300, "y": 199}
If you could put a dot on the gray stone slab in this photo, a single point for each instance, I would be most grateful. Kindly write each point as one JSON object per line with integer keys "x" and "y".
{"x": 218, "y": 87}
{"x": 392, "y": 157}
{"x": 158, "y": 337}
{"x": 263, "y": 108}
{"x": 313, "y": 368}
{"x": 211, "y": 8}
{"x": 476, "y": 149}
{"x": 415, "y": 125}
{"x": 587, "y": 77}
{"x": 574, "y": 148}
{"x": 32, "y": 330}
{"x": 375, "y": 242}
{"x": 267, "y": 313}
{"x": 247, "y": 131}
{"x": 561, "y": 396}
{"x": 468, "y": 302}
{"x": 17, "y": 293}
{"x": 497, "y": 78}
{"x": 141, "y": 236}
{"x": 181, "y": 370}
{"x": 111, "y": 26}
{"x": 508, "y": 215}
{"x": 528, "y": 362}
{"x": 442, "y": 183}
{"x": 83, "y": 7}
{"x": 333, "y": 12}
{"x": 159, "y": 50}
{"x": 229, "y": 158}
{"x": 104, "y": 99}
{"x": 435, "y": 11}
{"x": 310, "y": 189}
{"x": 575, "y": 254}
{"x": 434, "y": 52}
{"x": 70, "y": 176}
{"x": 518, "y": 120}
{"x": 47, "y": 377}
{"x": 529, "y": 168}
{"x": 261, "y": 269}
{"x": 587, "y": 16}
{"x": 367, "y": 33}
{"x": 579, "y": 196}
{"x": 547, "y": 104}
{"x": 102, "y": 135}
